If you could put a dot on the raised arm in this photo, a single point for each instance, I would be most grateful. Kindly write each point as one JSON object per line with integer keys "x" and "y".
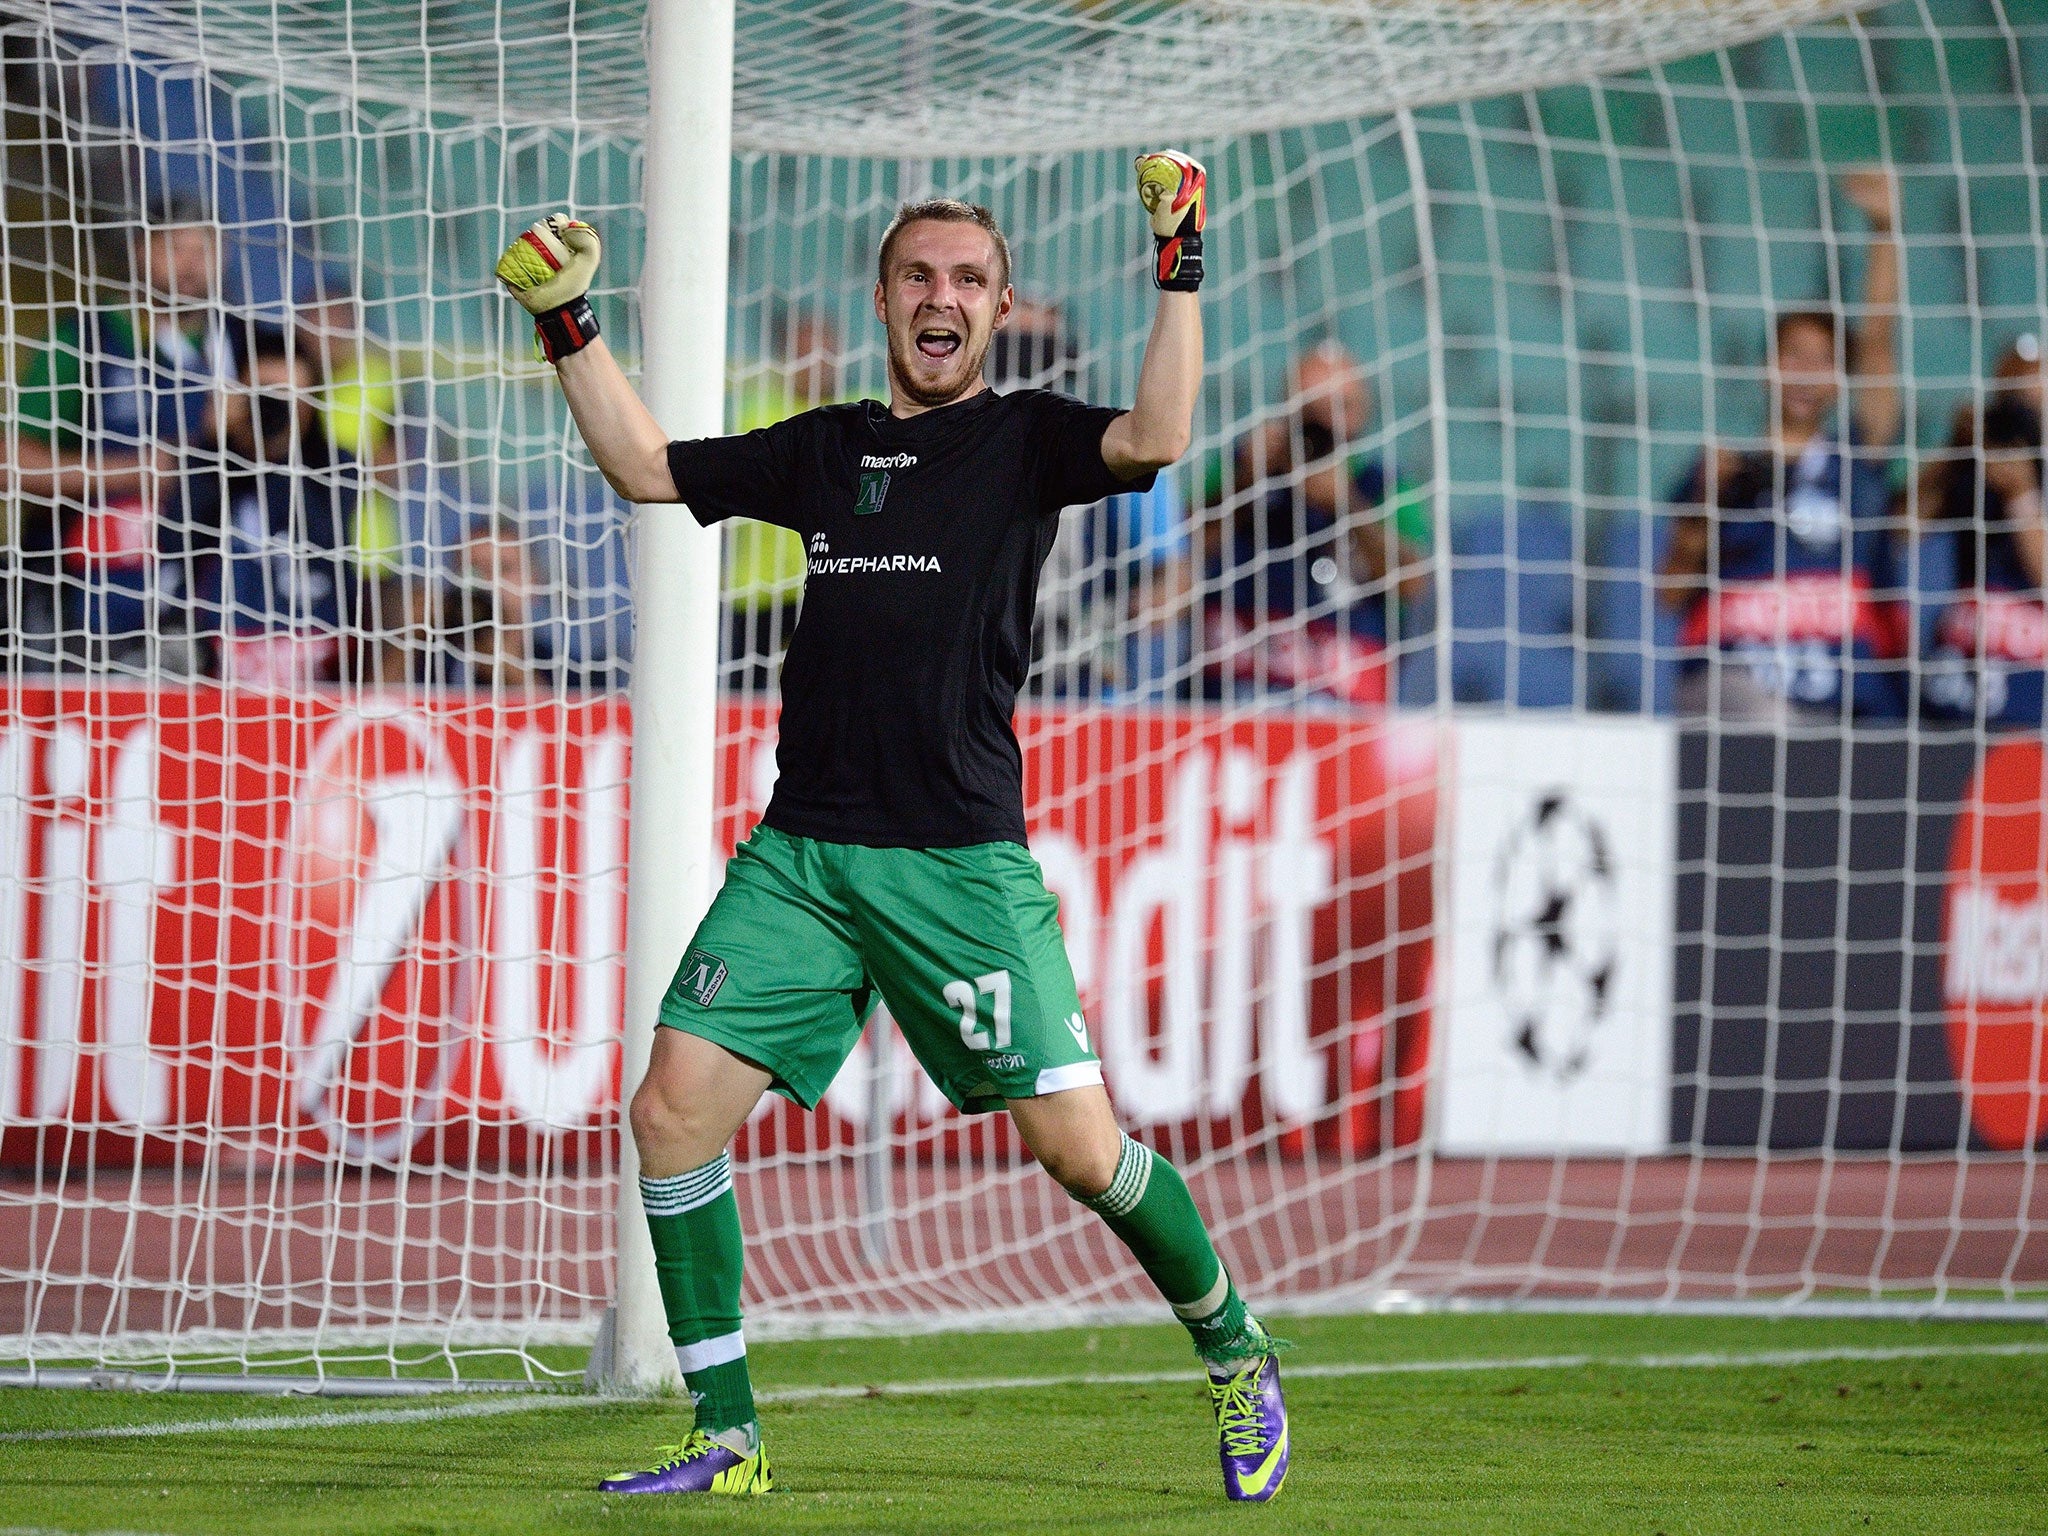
{"x": 1158, "y": 427}
{"x": 548, "y": 270}
{"x": 39, "y": 472}
{"x": 1161, "y": 423}
{"x": 2016, "y": 476}
{"x": 1873, "y": 349}
{"x": 625, "y": 439}
{"x": 1689, "y": 556}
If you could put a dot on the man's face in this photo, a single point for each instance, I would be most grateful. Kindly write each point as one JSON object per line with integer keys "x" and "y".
{"x": 181, "y": 264}
{"x": 280, "y": 405}
{"x": 332, "y": 324}
{"x": 2026, "y": 379}
{"x": 1335, "y": 403}
{"x": 941, "y": 305}
{"x": 813, "y": 360}
{"x": 1806, "y": 379}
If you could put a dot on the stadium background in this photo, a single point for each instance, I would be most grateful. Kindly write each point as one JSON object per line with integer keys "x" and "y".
{"x": 1605, "y": 259}
{"x": 1608, "y": 257}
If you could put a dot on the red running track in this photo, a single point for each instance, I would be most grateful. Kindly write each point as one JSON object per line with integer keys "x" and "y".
{"x": 290, "y": 1246}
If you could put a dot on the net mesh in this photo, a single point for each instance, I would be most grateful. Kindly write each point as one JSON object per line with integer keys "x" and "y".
{"x": 312, "y": 774}
{"x": 979, "y": 76}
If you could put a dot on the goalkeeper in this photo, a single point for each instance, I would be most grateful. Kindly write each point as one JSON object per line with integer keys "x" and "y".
{"x": 891, "y": 860}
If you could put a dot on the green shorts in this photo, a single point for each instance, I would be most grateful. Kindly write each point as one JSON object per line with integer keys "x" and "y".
{"x": 963, "y": 944}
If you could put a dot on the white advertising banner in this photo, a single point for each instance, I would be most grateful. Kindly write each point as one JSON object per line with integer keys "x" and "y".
{"x": 1558, "y": 1027}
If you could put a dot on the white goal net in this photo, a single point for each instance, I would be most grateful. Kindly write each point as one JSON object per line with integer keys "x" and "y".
{"x": 1481, "y": 897}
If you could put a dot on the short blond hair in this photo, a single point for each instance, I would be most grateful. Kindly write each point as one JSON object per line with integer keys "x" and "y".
{"x": 945, "y": 210}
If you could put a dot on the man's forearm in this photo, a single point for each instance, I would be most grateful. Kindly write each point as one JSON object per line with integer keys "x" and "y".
{"x": 1160, "y": 424}
{"x": 1683, "y": 575}
{"x": 628, "y": 444}
{"x": 1876, "y": 359}
{"x": 2029, "y": 537}
{"x": 41, "y": 474}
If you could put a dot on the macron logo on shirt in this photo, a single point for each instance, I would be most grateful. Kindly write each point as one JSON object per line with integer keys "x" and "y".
{"x": 888, "y": 461}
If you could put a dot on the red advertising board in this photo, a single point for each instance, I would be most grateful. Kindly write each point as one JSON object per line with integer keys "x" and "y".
{"x": 1995, "y": 947}
{"x": 392, "y": 930}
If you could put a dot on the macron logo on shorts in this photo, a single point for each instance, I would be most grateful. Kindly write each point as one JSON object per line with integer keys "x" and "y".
{"x": 703, "y": 974}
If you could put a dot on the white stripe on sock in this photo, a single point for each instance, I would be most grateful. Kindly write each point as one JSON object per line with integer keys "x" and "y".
{"x": 709, "y": 1352}
{"x": 1127, "y": 1188}
{"x": 1195, "y": 1311}
{"x": 682, "y": 1192}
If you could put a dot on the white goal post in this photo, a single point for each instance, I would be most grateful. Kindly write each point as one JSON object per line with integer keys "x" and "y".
{"x": 675, "y": 704}
{"x": 1410, "y": 918}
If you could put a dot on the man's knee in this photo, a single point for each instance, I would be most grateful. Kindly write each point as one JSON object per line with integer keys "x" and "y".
{"x": 1082, "y": 1168}
{"x": 1074, "y": 1136}
{"x": 659, "y": 1121}
{"x": 694, "y": 1097}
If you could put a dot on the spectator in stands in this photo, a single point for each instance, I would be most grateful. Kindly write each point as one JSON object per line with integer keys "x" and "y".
{"x": 358, "y": 403}
{"x": 497, "y": 608}
{"x": 764, "y": 565}
{"x": 1781, "y": 559}
{"x": 1985, "y": 652}
{"x": 481, "y": 621}
{"x": 2022, "y": 371}
{"x": 401, "y": 621}
{"x": 276, "y": 516}
{"x": 1112, "y": 605}
{"x": 110, "y": 411}
{"x": 1318, "y": 547}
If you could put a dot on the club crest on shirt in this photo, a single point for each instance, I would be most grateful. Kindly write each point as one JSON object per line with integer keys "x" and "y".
{"x": 874, "y": 488}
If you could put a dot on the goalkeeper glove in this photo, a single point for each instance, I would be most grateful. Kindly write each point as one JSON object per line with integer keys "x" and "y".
{"x": 548, "y": 270}
{"x": 1175, "y": 192}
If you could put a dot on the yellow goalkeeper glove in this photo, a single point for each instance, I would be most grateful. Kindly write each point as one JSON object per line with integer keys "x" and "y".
{"x": 548, "y": 270}
{"x": 1175, "y": 192}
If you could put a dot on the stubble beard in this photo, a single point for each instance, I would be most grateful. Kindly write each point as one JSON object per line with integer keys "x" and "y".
{"x": 951, "y": 386}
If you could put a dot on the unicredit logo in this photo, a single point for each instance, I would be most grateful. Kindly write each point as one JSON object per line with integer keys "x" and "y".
{"x": 372, "y": 945}
{"x": 1996, "y": 948}
{"x": 1995, "y": 974}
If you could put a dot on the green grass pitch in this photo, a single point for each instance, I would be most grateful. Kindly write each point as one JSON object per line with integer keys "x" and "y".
{"x": 1852, "y": 1426}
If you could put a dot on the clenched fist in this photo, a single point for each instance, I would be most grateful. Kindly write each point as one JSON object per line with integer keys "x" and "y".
{"x": 1175, "y": 192}
{"x": 549, "y": 270}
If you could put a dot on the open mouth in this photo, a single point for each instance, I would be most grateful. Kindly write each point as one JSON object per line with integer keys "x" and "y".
{"x": 937, "y": 343}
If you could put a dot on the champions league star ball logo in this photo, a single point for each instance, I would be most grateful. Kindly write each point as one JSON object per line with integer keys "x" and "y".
{"x": 1555, "y": 934}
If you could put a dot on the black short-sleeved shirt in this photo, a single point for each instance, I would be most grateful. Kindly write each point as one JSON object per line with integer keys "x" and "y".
{"x": 925, "y": 537}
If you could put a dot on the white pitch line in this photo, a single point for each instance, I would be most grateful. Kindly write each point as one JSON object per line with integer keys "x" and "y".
{"x": 482, "y": 1408}
{"x": 494, "y": 1406}
{"x": 1343, "y": 1368}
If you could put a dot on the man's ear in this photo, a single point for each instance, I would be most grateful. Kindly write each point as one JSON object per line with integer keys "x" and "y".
{"x": 881, "y": 309}
{"x": 1004, "y": 305}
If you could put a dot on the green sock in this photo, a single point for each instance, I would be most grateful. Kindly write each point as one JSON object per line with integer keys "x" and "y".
{"x": 1148, "y": 1205}
{"x": 695, "y": 1223}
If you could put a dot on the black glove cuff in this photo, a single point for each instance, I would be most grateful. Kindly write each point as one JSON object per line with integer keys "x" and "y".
{"x": 1178, "y": 268}
{"x": 568, "y": 329}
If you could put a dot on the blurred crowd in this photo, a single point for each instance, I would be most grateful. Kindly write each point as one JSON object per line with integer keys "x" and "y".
{"x": 196, "y": 494}
{"x": 1823, "y": 575}
{"x": 200, "y": 497}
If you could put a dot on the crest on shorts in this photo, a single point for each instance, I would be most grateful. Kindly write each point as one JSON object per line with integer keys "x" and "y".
{"x": 874, "y": 488}
{"x": 703, "y": 974}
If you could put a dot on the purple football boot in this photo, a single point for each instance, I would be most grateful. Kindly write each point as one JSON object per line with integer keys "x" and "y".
{"x": 699, "y": 1465}
{"x": 1251, "y": 1429}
